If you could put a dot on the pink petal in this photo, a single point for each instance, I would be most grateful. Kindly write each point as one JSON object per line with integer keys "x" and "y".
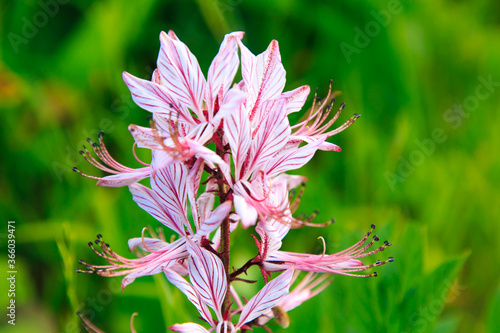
{"x": 271, "y": 134}
{"x": 210, "y": 156}
{"x": 193, "y": 181}
{"x": 187, "y": 289}
{"x": 291, "y": 181}
{"x": 188, "y": 328}
{"x": 327, "y": 146}
{"x": 149, "y": 200}
{"x": 223, "y": 68}
{"x": 169, "y": 183}
{"x": 248, "y": 214}
{"x": 124, "y": 179}
{"x": 267, "y": 297}
{"x": 293, "y": 159}
{"x": 145, "y": 137}
{"x": 295, "y": 140}
{"x": 208, "y": 277}
{"x": 181, "y": 73}
{"x": 264, "y": 76}
{"x": 155, "y": 263}
{"x": 205, "y": 201}
{"x": 215, "y": 219}
{"x": 155, "y": 98}
{"x": 153, "y": 244}
{"x": 296, "y": 98}
{"x": 232, "y": 103}
{"x": 239, "y": 136}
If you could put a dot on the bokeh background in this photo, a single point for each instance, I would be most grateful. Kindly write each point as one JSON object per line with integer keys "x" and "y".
{"x": 422, "y": 162}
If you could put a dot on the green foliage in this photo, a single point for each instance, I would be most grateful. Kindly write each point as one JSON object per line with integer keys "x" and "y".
{"x": 422, "y": 162}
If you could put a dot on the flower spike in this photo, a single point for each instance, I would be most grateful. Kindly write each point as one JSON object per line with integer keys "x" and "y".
{"x": 220, "y": 153}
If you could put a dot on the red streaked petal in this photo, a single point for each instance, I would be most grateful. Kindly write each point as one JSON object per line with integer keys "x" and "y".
{"x": 296, "y": 98}
{"x": 193, "y": 181}
{"x": 223, "y": 68}
{"x": 169, "y": 184}
{"x": 148, "y": 200}
{"x": 239, "y": 136}
{"x": 153, "y": 244}
{"x": 187, "y": 289}
{"x": 264, "y": 76}
{"x": 155, "y": 98}
{"x": 215, "y": 219}
{"x": 124, "y": 179}
{"x": 208, "y": 277}
{"x": 188, "y": 328}
{"x": 210, "y": 156}
{"x": 292, "y": 159}
{"x": 181, "y": 73}
{"x": 232, "y": 102}
{"x": 271, "y": 135}
{"x": 267, "y": 297}
{"x": 144, "y": 137}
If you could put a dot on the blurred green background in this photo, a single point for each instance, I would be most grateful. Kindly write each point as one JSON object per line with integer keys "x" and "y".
{"x": 422, "y": 162}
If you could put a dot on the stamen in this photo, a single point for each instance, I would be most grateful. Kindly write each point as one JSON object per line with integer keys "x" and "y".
{"x": 324, "y": 246}
{"x": 135, "y": 155}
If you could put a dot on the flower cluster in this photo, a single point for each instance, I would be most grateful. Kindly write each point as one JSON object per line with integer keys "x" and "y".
{"x": 220, "y": 151}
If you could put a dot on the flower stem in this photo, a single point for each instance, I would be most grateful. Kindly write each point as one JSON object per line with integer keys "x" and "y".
{"x": 225, "y": 233}
{"x": 225, "y": 260}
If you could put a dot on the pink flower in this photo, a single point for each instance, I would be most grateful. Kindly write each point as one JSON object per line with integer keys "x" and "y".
{"x": 208, "y": 289}
{"x": 310, "y": 285}
{"x": 166, "y": 201}
{"x": 345, "y": 262}
{"x": 187, "y": 109}
{"x": 262, "y": 142}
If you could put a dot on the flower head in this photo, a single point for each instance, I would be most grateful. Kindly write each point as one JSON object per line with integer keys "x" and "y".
{"x": 203, "y": 194}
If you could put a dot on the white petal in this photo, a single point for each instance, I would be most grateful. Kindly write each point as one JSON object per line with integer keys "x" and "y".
{"x": 181, "y": 73}
{"x": 267, "y": 297}
{"x": 248, "y": 214}
{"x": 188, "y": 328}
{"x": 208, "y": 277}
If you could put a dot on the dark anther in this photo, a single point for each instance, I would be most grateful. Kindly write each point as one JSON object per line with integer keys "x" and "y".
{"x": 90, "y": 244}
{"x": 74, "y": 169}
{"x": 303, "y": 184}
{"x": 81, "y": 152}
{"x": 99, "y": 236}
{"x": 96, "y": 241}
{"x": 378, "y": 262}
{"x": 391, "y": 259}
{"x": 333, "y": 100}
{"x": 332, "y": 220}
{"x": 89, "y": 139}
{"x": 107, "y": 244}
{"x": 331, "y": 81}
{"x": 386, "y": 243}
{"x": 80, "y": 261}
{"x": 356, "y": 115}
{"x": 316, "y": 212}
{"x": 373, "y": 226}
{"x": 375, "y": 238}
{"x": 375, "y": 274}
{"x": 100, "y": 134}
{"x": 78, "y": 271}
{"x": 94, "y": 144}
